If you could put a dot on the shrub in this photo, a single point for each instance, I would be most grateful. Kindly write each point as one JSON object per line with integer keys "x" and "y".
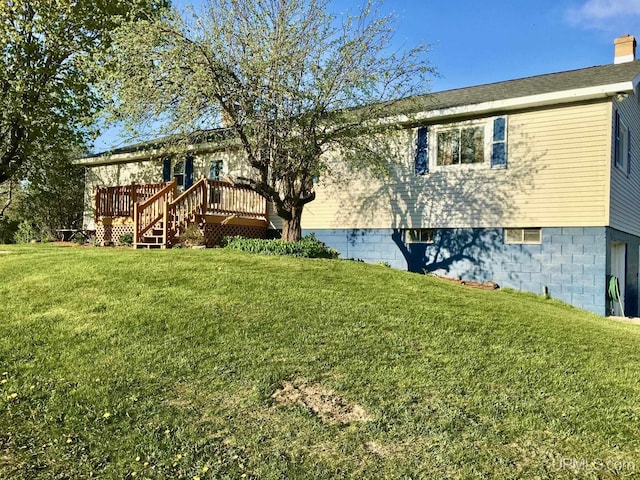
{"x": 308, "y": 246}
{"x": 25, "y": 233}
{"x": 191, "y": 237}
{"x": 125, "y": 239}
{"x": 8, "y": 229}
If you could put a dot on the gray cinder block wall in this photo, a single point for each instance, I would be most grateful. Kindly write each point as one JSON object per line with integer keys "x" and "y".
{"x": 570, "y": 262}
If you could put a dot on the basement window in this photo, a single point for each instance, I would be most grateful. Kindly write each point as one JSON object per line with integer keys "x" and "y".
{"x": 419, "y": 235}
{"x": 523, "y": 235}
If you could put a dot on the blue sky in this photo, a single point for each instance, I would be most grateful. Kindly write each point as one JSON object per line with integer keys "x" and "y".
{"x": 474, "y": 42}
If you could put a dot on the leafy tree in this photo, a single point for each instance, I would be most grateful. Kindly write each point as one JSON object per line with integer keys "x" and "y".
{"x": 292, "y": 81}
{"x": 52, "y": 199}
{"x": 48, "y": 50}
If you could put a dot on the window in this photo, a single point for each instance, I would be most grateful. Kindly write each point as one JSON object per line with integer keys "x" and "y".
{"x": 178, "y": 173}
{"x": 419, "y": 235}
{"x": 468, "y": 145}
{"x": 622, "y": 155}
{"x": 460, "y": 145}
{"x": 215, "y": 169}
{"x": 522, "y": 235}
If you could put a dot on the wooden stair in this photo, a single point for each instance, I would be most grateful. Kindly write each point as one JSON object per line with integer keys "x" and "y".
{"x": 152, "y": 239}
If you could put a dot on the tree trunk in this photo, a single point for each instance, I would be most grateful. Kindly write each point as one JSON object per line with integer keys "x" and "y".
{"x": 291, "y": 229}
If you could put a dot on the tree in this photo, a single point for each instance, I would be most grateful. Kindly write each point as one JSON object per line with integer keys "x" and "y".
{"x": 52, "y": 199}
{"x": 47, "y": 68}
{"x": 292, "y": 81}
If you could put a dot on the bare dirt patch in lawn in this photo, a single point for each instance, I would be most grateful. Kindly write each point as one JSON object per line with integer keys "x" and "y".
{"x": 4, "y": 252}
{"x": 378, "y": 449}
{"x": 327, "y": 405}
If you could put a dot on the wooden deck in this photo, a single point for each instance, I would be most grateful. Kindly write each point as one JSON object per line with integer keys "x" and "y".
{"x": 156, "y": 215}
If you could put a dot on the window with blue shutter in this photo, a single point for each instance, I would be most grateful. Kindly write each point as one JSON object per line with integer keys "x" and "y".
{"x": 616, "y": 135}
{"x": 188, "y": 172}
{"x": 422, "y": 152}
{"x": 622, "y": 144}
{"x": 166, "y": 170}
{"x": 499, "y": 144}
{"x": 629, "y": 152}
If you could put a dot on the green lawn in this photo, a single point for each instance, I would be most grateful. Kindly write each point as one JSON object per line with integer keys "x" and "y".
{"x": 118, "y": 363}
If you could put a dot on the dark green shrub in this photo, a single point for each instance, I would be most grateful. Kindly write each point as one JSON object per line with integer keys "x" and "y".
{"x": 8, "y": 228}
{"x": 308, "y": 246}
{"x": 126, "y": 239}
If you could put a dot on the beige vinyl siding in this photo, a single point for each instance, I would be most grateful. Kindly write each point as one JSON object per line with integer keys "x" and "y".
{"x": 149, "y": 171}
{"x": 625, "y": 189}
{"x": 558, "y": 162}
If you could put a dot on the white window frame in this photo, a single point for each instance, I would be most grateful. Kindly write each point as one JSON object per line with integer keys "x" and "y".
{"x": 216, "y": 165}
{"x": 522, "y": 240}
{"x": 178, "y": 172}
{"x": 485, "y": 123}
{"x": 419, "y": 235}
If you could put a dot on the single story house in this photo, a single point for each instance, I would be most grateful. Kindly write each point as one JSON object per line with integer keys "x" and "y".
{"x": 531, "y": 183}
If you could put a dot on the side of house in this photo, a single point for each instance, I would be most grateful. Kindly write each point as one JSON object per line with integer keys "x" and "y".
{"x": 623, "y": 228}
{"x": 530, "y": 183}
{"x": 535, "y": 192}
{"x": 523, "y": 222}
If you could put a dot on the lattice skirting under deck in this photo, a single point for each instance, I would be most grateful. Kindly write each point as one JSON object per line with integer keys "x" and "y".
{"x": 213, "y": 233}
{"x": 110, "y": 234}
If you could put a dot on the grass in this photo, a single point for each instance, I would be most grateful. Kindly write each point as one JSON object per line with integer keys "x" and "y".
{"x": 161, "y": 364}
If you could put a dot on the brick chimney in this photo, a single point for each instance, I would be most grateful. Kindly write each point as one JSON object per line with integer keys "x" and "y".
{"x": 625, "y": 48}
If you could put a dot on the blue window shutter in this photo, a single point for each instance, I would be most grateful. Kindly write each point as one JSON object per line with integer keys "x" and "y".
{"x": 616, "y": 138}
{"x": 166, "y": 169}
{"x": 188, "y": 172}
{"x": 498, "y": 130}
{"x": 422, "y": 152}
{"x": 499, "y": 145}
{"x": 629, "y": 151}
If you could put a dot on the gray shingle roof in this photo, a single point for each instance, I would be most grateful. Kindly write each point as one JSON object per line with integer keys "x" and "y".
{"x": 522, "y": 87}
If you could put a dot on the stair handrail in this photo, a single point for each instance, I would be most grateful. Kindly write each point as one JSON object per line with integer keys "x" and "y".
{"x": 183, "y": 209}
{"x": 148, "y": 213}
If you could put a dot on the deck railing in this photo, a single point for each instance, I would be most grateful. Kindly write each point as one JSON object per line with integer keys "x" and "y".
{"x": 183, "y": 210}
{"x": 119, "y": 201}
{"x": 151, "y": 211}
{"x": 228, "y": 199}
{"x": 158, "y": 204}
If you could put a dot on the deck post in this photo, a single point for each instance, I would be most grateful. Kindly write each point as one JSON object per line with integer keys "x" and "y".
{"x": 136, "y": 240}
{"x": 96, "y": 205}
{"x": 134, "y": 193}
{"x": 205, "y": 196}
{"x": 165, "y": 223}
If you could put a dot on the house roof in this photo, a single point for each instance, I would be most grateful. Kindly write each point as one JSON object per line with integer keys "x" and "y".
{"x": 528, "y": 86}
{"x": 552, "y": 88}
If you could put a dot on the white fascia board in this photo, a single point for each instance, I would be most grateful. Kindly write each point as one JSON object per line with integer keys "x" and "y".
{"x": 543, "y": 99}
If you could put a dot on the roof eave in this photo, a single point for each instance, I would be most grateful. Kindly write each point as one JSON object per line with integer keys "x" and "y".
{"x": 519, "y": 103}
{"x": 143, "y": 155}
{"x": 447, "y": 113}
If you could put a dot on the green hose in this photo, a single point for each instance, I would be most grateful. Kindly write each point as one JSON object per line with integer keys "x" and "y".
{"x": 613, "y": 290}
